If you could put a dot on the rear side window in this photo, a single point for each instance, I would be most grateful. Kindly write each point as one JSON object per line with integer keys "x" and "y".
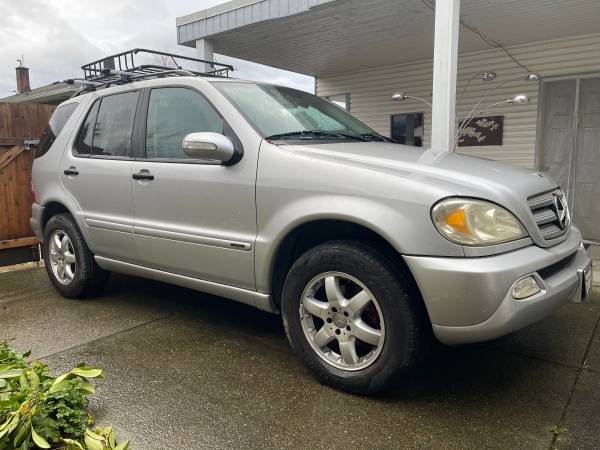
{"x": 83, "y": 144}
{"x": 108, "y": 127}
{"x": 55, "y": 125}
{"x": 172, "y": 114}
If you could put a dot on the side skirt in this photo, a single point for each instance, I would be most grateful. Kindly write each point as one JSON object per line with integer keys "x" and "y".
{"x": 252, "y": 298}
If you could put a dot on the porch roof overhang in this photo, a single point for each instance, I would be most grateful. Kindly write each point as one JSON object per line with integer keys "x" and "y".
{"x": 322, "y": 37}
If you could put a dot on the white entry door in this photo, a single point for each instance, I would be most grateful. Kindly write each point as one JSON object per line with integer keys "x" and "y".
{"x": 569, "y": 146}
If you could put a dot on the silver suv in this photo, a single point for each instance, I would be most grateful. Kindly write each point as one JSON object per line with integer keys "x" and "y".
{"x": 282, "y": 200}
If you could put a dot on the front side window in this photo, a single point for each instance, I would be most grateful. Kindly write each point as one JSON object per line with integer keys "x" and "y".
{"x": 280, "y": 112}
{"x": 55, "y": 125}
{"x": 114, "y": 125}
{"x": 173, "y": 113}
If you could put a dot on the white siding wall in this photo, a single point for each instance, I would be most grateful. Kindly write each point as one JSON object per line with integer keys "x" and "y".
{"x": 371, "y": 90}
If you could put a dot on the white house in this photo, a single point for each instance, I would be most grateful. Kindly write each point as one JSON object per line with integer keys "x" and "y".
{"x": 361, "y": 52}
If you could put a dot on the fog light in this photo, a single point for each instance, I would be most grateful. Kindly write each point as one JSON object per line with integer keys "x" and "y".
{"x": 525, "y": 287}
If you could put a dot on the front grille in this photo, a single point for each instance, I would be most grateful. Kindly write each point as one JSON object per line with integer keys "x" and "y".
{"x": 545, "y": 214}
{"x": 553, "y": 269}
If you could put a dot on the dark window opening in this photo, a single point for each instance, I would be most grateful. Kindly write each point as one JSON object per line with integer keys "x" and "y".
{"x": 408, "y": 129}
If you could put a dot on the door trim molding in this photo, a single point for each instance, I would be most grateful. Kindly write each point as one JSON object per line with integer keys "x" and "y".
{"x": 253, "y": 298}
{"x": 111, "y": 226}
{"x": 192, "y": 238}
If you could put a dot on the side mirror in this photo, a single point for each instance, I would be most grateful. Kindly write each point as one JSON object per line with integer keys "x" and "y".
{"x": 208, "y": 146}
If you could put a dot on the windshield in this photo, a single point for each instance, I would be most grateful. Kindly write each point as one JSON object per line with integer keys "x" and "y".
{"x": 284, "y": 113}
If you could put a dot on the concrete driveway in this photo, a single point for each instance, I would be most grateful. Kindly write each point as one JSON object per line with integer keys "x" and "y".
{"x": 189, "y": 371}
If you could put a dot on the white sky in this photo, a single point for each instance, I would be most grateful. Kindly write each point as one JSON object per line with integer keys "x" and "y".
{"x": 57, "y": 36}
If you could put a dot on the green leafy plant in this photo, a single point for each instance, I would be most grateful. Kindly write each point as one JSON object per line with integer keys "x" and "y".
{"x": 38, "y": 410}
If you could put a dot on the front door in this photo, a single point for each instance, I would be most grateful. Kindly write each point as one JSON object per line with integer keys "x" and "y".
{"x": 569, "y": 146}
{"x": 192, "y": 218}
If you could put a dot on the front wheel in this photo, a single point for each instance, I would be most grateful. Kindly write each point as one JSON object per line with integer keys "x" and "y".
{"x": 352, "y": 317}
{"x": 69, "y": 262}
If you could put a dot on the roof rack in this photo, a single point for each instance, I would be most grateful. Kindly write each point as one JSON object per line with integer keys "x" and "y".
{"x": 121, "y": 69}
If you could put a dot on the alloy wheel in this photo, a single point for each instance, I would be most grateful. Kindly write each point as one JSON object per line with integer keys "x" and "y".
{"x": 342, "y": 321}
{"x": 62, "y": 257}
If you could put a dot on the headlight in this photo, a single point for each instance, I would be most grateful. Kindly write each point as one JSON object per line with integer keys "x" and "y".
{"x": 475, "y": 222}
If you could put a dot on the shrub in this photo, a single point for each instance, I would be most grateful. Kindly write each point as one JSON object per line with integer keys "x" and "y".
{"x": 38, "y": 410}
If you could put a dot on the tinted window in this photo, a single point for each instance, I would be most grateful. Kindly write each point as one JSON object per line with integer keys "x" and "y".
{"x": 172, "y": 114}
{"x": 114, "y": 125}
{"x": 83, "y": 144}
{"x": 57, "y": 122}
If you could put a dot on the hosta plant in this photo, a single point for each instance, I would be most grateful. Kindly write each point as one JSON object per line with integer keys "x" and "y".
{"x": 38, "y": 410}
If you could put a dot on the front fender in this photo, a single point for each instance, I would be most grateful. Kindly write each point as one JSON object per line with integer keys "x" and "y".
{"x": 408, "y": 233}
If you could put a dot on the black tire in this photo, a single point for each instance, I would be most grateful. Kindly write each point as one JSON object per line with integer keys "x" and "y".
{"x": 407, "y": 328}
{"x": 89, "y": 279}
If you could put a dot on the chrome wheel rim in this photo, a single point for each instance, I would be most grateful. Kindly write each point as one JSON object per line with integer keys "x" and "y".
{"x": 342, "y": 321}
{"x": 62, "y": 257}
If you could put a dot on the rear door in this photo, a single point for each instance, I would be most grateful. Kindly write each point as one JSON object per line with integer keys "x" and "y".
{"x": 97, "y": 172}
{"x": 192, "y": 217}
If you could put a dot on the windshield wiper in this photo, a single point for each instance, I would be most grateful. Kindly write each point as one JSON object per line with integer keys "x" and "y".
{"x": 375, "y": 137}
{"x": 314, "y": 134}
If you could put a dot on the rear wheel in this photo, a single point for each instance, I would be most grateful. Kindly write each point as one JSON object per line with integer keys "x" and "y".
{"x": 352, "y": 317}
{"x": 69, "y": 262}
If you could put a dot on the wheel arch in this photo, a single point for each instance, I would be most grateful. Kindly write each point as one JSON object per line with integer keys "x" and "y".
{"x": 53, "y": 207}
{"x": 311, "y": 233}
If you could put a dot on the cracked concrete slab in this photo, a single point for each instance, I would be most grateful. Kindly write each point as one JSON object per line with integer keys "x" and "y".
{"x": 581, "y": 427}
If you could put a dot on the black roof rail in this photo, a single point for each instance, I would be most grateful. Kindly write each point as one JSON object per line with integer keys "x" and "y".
{"x": 121, "y": 69}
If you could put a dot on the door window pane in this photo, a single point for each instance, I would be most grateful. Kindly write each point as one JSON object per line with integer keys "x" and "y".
{"x": 408, "y": 129}
{"x": 174, "y": 113}
{"x": 83, "y": 144}
{"x": 114, "y": 125}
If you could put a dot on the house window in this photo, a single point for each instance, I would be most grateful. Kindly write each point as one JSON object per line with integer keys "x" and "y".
{"x": 342, "y": 100}
{"x": 408, "y": 129}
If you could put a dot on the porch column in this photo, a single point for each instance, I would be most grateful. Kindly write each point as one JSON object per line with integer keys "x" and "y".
{"x": 204, "y": 50}
{"x": 445, "y": 59}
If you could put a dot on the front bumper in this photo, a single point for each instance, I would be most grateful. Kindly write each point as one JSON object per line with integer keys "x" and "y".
{"x": 469, "y": 299}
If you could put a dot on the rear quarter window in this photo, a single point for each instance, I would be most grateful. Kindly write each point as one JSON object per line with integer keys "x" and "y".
{"x": 55, "y": 125}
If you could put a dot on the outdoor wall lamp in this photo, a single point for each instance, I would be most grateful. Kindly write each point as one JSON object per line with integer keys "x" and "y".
{"x": 519, "y": 98}
{"x": 487, "y": 76}
{"x": 400, "y": 97}
{"x": 533, "y": 77}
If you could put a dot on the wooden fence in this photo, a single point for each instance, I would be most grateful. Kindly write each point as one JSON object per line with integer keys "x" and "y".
{"x": 18, "y": 122}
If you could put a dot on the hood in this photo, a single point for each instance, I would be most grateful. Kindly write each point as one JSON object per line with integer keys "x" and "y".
{"x": 459, "y": 174}
{"x": 451, "y": 174}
